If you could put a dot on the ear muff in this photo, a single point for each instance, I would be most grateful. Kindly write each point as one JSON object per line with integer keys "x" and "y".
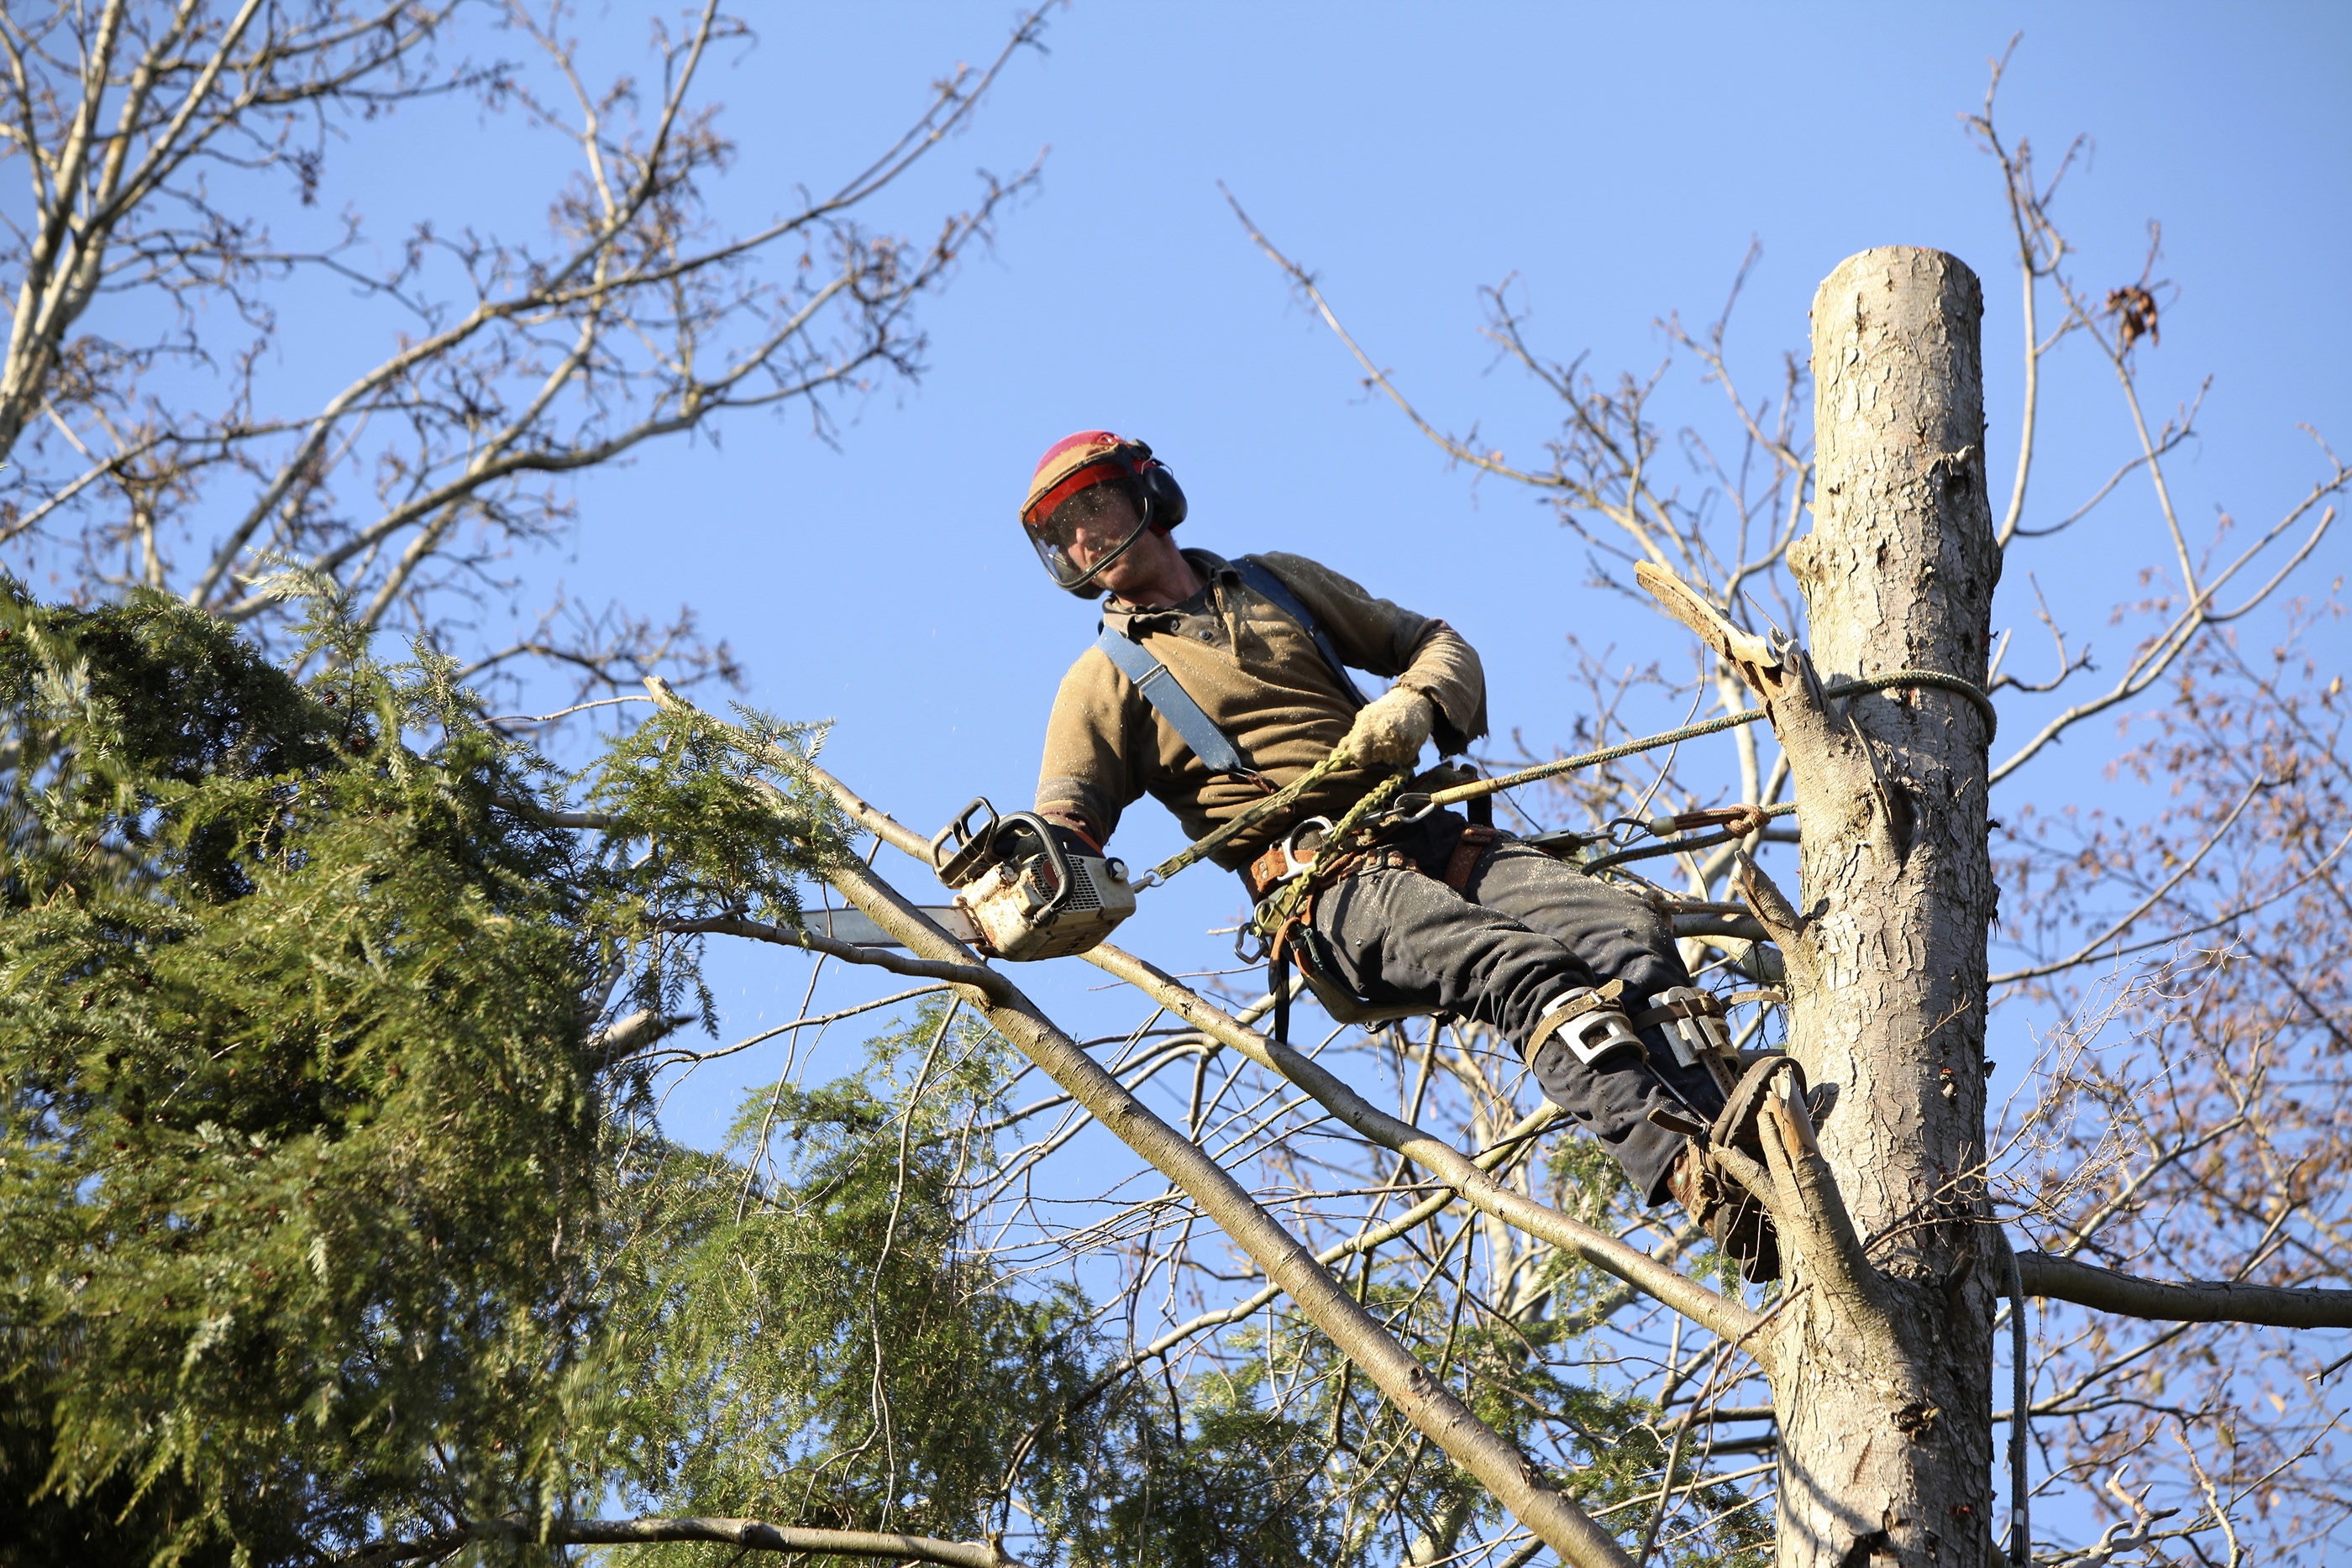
{"x": 1163, "y": 496}
{"x": 1166, "y": 496}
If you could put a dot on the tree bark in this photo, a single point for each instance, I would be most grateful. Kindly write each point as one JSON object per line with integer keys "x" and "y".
{"x": 1881, "y": 1375}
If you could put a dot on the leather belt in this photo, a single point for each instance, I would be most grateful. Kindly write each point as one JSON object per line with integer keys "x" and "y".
{"x": 1264, "y": 875}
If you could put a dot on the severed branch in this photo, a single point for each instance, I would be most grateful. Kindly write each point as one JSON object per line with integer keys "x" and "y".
{"x": 751, "y": 1534}
{"x": 2184, "y": 1301}
{"x": 637, "y": 1032}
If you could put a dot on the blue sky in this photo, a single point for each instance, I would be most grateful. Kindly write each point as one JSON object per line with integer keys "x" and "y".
{"x": 1614, "y": 162}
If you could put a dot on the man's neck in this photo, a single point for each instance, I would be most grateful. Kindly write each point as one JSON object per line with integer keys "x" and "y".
{"x": 1165, "y": 577}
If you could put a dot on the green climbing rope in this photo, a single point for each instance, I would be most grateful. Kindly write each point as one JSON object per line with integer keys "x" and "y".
{"x": 1208, "y": 843}
{"x": 1276, "y": 908}
{"x": 1898, "y": 678}
{"x": 1225, "y": 831}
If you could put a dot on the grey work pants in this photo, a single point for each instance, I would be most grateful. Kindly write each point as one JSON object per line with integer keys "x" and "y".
{"x": 1525, "y": 928}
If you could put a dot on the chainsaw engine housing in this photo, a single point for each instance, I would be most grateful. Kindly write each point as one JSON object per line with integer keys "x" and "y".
{"x": 1028, "y": 894}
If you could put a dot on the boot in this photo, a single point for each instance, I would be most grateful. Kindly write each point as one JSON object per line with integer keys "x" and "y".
{"x": 1736, "y": 1221}
{"x": 1735, "y": 1218}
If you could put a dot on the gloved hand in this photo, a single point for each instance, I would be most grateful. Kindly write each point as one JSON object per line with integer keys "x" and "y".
{"x": 1389, "y": 730}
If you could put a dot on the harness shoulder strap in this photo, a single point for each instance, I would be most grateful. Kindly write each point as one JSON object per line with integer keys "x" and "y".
{"x": 1172, "y": 703}
{"x": 1261, "y": 577}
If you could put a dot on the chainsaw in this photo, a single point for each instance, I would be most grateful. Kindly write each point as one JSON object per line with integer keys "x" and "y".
{"x": 1029, "y": 891}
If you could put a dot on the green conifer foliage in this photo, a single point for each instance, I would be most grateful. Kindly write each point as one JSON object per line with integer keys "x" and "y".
{"x": 814, "y": 1299}
{"x": 329, "y": 1218}
{"x": 299, "y": 1123}
{"x": 694, "y": 834}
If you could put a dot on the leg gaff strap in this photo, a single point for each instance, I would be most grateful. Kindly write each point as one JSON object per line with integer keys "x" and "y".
{"x": 1594, "y": 1020}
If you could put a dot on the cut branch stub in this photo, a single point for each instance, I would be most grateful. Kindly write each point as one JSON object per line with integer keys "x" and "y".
{"x": 1757, "y": 662}
{"x": 1780, "y": 918}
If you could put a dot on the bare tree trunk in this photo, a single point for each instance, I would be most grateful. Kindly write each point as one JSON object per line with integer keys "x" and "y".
{"x": 1885, "y": 1404}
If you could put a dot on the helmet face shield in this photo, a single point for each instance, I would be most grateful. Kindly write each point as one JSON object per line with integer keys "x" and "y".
{"x": 1074, "y": 551}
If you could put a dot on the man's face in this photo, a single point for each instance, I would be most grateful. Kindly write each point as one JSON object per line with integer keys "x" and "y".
{"x": 1102, "y": 533}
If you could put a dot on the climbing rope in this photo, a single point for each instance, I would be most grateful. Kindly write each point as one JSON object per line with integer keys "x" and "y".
{"x": 1897, "y": 679}
{"x": 1705, "y": 841}
{"x": 1278, "y": 906}
{"x": 1893, "y": 681}
{"x": 1207, "y": 843}
{"x": 2021, "y": 1407}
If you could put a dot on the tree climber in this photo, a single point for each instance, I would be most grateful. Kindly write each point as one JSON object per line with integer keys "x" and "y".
{"x": 1215, "y": 682}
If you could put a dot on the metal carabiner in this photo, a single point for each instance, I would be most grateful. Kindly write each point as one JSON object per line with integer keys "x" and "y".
{"x": 1293, "y": 867}
{"x": 1396, "y": 811}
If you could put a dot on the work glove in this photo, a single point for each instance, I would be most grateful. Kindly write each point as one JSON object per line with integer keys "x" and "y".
{"x": 1389, "y": 730}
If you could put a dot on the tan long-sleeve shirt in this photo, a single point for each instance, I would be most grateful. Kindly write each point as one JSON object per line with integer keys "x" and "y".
{"x": 1257, "y": 675}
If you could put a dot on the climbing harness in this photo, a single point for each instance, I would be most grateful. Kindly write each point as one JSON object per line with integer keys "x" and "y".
{"x": 1282, "y": 920}
{"x": 1216, "y": 751}
{"x": 1174, "y": 704}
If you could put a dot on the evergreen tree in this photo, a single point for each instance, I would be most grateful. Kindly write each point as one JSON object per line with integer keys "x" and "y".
{"x": 301, "y": 1119}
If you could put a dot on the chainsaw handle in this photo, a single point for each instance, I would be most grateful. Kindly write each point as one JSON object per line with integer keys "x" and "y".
{"x": 959, "y": 846}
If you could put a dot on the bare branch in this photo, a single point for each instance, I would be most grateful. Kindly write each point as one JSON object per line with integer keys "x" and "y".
{"x": 2183, "y": 1301}
{"x": 751, "y": 1534}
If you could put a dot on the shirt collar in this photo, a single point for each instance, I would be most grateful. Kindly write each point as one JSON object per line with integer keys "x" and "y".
{"x": 1131, "y": 621}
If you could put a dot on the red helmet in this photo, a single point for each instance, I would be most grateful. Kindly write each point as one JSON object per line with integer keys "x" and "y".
{"x": 1080, "y": 462}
